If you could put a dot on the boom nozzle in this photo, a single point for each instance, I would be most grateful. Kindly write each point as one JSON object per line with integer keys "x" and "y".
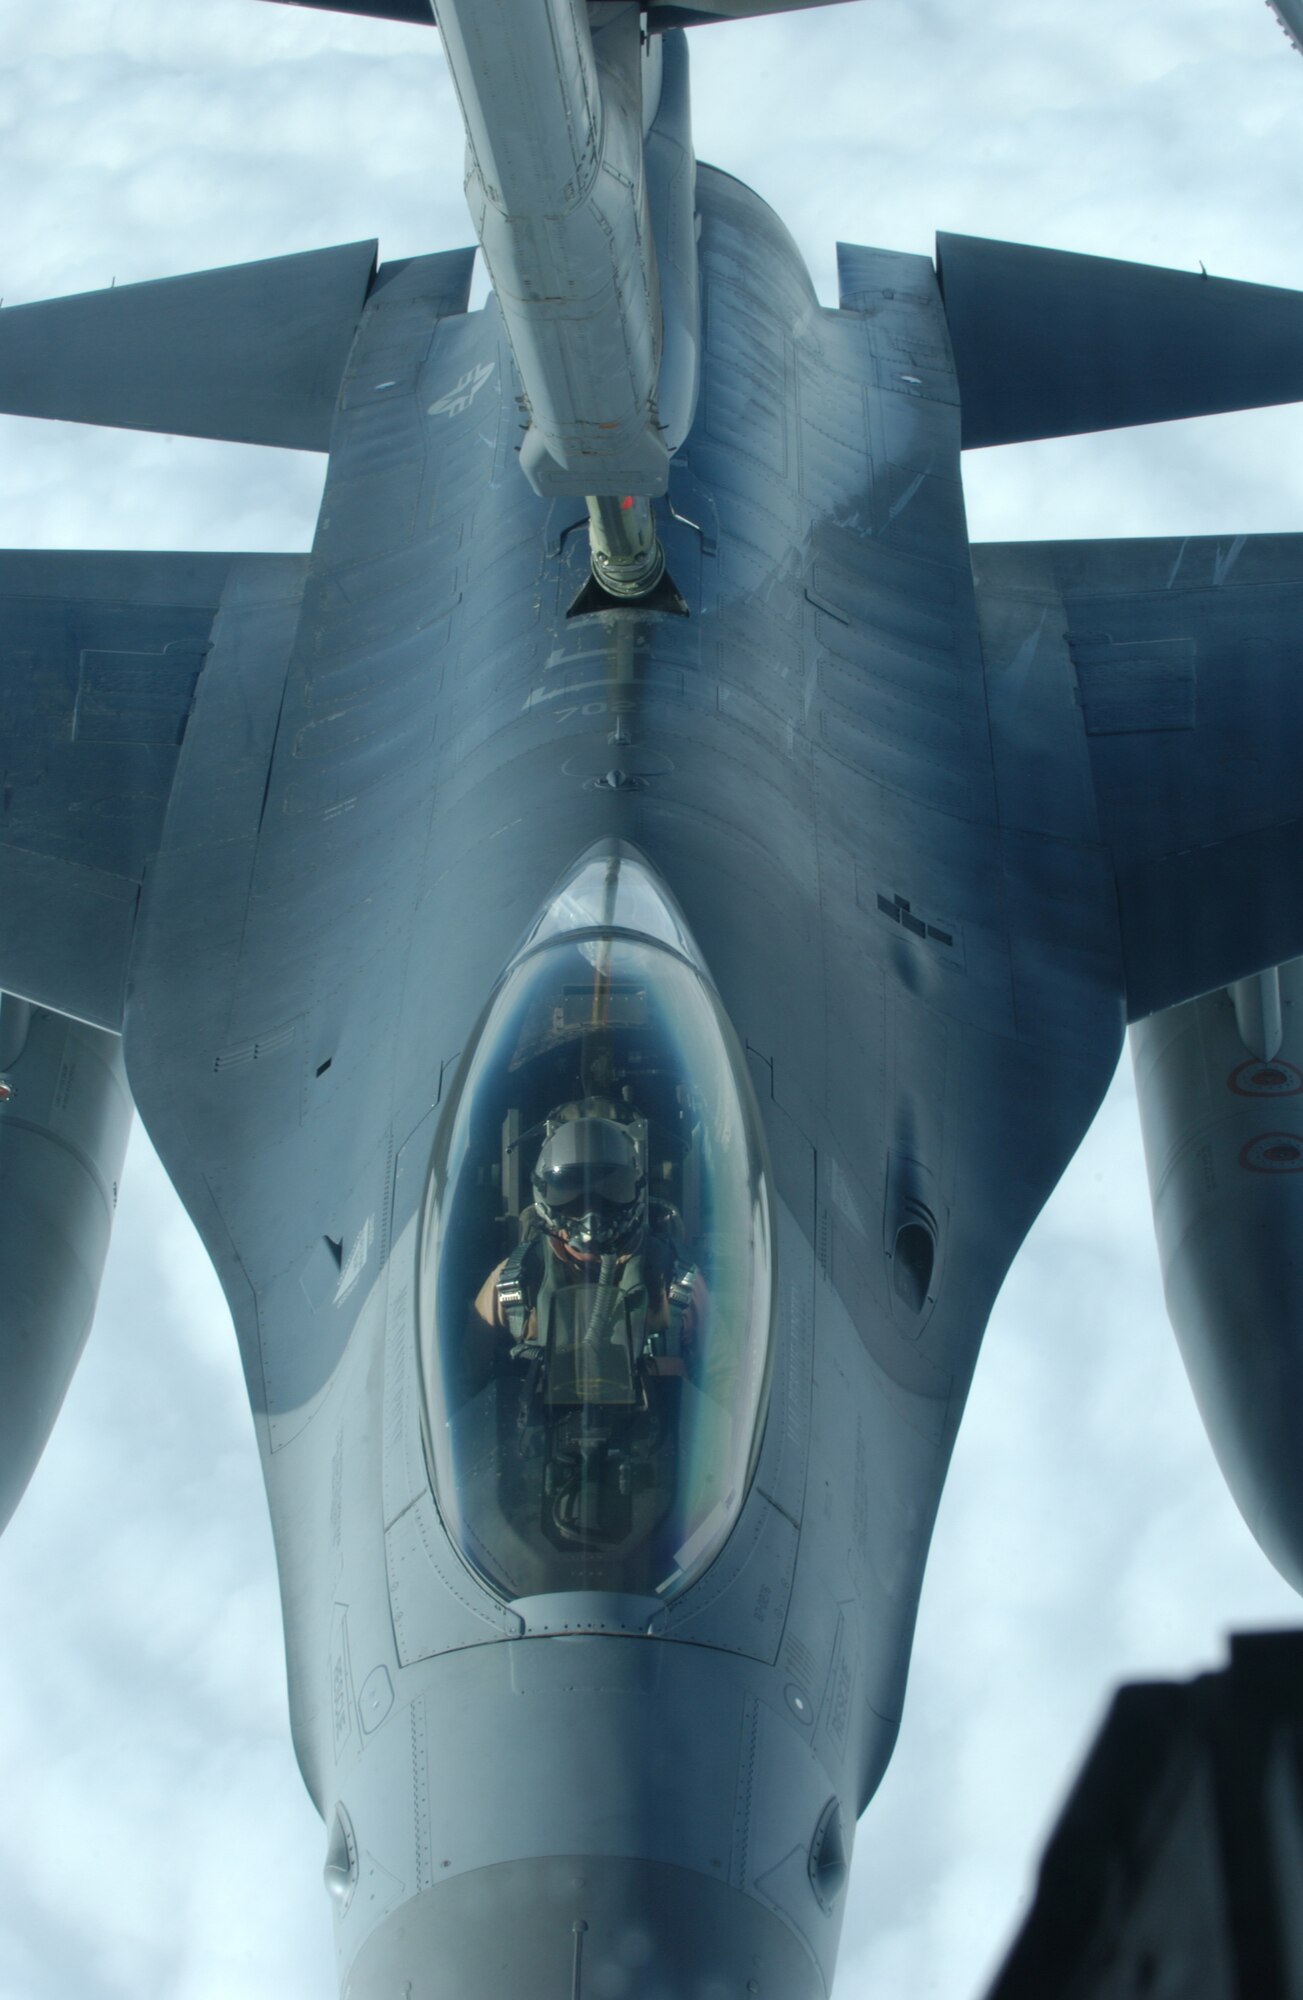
{"x": 628, "y": 560}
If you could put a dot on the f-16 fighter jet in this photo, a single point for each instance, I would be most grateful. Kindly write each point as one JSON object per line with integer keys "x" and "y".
{"x": 614, "y": 950}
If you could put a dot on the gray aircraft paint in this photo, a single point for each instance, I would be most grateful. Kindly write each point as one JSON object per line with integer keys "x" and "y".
{"x": 257, "y": 1046}
{"x": 1290, "y": 16}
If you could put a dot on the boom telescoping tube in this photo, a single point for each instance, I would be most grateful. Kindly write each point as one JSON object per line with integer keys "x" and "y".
{"x": 557, "y": 190}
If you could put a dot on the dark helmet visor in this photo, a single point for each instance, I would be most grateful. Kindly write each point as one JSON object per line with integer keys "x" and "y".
{"x": 570, "y": 1190}
{"x": 587, "y": 1163}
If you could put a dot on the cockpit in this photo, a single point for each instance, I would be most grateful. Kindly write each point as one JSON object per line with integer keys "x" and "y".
{"x": 596, "y": 1257}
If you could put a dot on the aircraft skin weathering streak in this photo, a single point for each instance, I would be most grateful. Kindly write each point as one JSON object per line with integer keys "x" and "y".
{"x": 614, "y": 950}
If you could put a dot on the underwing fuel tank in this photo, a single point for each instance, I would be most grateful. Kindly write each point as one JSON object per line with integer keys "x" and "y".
{"x": 1220, "y": 1083}
{"x": 65, "y": 1113}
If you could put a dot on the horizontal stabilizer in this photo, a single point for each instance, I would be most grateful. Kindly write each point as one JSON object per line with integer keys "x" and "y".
{"x": 1049, "y": 343}
{"x": 100, "y": 654}
{"x": 252, "y": 353}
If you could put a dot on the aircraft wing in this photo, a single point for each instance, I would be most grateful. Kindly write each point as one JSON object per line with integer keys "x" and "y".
{"x": 1183, "y": 661}
{"x": 419, "y": 12}
{"x": 99, "y": 657}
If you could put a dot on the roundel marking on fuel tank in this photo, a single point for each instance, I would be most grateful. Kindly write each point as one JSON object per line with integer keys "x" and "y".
{"x": 1273, "y": 1153}
{"x": 1265, "y": 1079}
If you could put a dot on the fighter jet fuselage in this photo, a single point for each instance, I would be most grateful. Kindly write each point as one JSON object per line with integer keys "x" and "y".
{"x": 613, "y": 1047}
{"x": 805, "y": 763}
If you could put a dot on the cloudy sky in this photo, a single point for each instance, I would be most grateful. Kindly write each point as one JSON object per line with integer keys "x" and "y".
{"x": 155, "y": 1838}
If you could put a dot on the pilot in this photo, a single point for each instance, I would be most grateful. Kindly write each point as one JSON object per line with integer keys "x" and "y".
{"x": 590, "y": 1223}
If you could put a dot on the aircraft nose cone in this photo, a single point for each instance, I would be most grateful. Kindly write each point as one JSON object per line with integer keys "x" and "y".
{"x": 583, "y": 1928}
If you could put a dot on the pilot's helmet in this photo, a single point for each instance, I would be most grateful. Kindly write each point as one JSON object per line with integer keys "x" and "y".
{"x": 589, "y": 1188}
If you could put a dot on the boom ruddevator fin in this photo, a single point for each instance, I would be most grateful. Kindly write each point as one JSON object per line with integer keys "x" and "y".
{"x": 664, "y": 14}
{"x": 1050, "y": 343}
{"x": 661, "y": 14}
{"x": 252, "y": 353}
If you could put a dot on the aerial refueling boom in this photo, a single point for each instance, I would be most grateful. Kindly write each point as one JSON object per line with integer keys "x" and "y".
{"x": 579, "y": 174}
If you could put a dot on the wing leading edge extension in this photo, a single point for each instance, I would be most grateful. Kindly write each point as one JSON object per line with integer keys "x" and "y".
{"x": 1185, "y": 659}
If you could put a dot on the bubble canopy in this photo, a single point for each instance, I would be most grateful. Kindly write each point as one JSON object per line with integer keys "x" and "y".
{"x": 596, "y": 1267}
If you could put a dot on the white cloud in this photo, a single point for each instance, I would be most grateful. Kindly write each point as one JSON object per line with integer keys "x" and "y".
{"x": 156, "y": 1837}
